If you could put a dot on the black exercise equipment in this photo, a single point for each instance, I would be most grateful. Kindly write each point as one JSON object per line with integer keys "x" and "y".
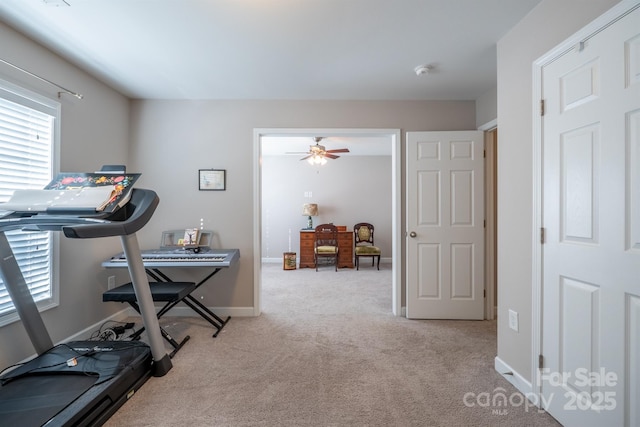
{"x": 80, "y": 383}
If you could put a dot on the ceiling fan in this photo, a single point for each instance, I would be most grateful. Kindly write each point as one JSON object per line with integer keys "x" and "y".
{"x": 318, "y": 154}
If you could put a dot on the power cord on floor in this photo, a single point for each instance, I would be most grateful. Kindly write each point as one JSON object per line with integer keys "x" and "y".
{"x": 111, "y": 334}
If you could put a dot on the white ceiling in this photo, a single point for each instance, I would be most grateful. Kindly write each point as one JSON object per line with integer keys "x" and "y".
{"x": 275, "y": 49}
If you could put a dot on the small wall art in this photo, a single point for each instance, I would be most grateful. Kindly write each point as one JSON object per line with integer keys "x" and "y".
{"x": 212, "y": 179}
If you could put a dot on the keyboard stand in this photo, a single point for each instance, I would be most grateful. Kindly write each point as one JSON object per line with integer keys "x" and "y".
{"x": 193, "y": 303}
{"x": 152, "y": 265}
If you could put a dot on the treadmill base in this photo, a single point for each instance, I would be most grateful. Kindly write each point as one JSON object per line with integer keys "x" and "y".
{"x": 81, "y": 383}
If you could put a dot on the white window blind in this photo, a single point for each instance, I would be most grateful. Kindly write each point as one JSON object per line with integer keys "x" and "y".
{"x": 27, "y": 133}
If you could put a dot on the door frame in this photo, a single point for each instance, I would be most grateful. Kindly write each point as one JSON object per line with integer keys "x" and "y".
{"x": 490, "y": 130}
{"x": 537, "y": 310}
{"x": 394, "y": 136}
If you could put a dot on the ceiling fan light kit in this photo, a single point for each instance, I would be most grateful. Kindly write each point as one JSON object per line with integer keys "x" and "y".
{"x": 317, "y": 160}
{"x": 318, "y": 154}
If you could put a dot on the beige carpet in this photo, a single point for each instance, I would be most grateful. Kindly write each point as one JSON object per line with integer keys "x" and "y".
{"x": 327, "y": 352}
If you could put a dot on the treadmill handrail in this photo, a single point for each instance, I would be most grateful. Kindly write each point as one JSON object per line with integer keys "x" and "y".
{"x": 81, "y": 225}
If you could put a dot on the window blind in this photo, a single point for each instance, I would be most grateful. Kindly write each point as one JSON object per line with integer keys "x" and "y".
{"x": 26, "y": 142}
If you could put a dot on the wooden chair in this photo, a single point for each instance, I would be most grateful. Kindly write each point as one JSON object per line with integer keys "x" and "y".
{"x": 326, "y": 244}
{"x": 364, "y": 245}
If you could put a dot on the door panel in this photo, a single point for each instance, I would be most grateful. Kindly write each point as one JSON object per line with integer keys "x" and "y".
{"x": 579, "y": 190}
{"x": 445, "y": 210}
{"x": 633, "y": 166}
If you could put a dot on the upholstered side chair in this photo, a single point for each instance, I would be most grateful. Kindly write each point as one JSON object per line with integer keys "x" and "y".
{"x": 364, "y": 244}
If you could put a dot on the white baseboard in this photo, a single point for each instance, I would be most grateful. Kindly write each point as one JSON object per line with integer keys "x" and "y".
{"x": 182, "y": 311}
{"x": 279, "y": 260}
{"x": 86, "y": 333}
{"x": 517, "y": 380}
{"x": 219, "y": 311}
{"x": 179, "y": 311}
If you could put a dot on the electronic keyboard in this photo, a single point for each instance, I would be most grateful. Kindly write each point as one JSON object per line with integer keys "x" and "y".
{"x": 178, "y": 258}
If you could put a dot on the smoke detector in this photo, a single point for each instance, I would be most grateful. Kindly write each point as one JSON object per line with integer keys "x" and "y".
{"x": 422, "y": 69}
{"x": 56, "y": 3}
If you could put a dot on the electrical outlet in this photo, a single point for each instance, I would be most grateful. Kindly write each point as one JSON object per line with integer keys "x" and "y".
{"x": 513, "y": 320}
{"x": 111, "y": 282}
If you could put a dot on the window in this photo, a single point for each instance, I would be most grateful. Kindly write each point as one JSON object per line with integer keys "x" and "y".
{"x": 28, "y": 133}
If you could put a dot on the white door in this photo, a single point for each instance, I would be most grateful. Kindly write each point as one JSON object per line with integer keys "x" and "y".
{"x": 445, "y": 225}
{"x": 591, "y": 215}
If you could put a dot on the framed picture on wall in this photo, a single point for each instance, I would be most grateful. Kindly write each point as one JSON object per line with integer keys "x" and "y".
{"x": 212, "y": 179}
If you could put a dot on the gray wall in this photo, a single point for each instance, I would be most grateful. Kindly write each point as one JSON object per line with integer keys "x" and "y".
{"x": 171, "y": 140}
{"x": 95, "y": 131}
{"x": 547, "y": 25}
{"x": 486, "y": 107}
{"x": 348, "y": 190}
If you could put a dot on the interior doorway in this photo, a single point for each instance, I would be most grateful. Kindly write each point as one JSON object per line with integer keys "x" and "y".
{"x": 393, "y": 137}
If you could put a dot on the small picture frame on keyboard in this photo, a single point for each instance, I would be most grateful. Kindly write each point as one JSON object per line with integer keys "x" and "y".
{"x": 191, "y": 237}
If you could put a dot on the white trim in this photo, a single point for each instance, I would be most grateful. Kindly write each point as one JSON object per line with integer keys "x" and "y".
{"x": 257, "y": 222}
{"x": 181, "y": 311}
{"x": 396, "y": 201}
{"x": 621, "y": 9}
{"x": 491, "y": 125}
{"x": 536, "y": 250}
{"x": 518, "y": 381}
{"x": 278, "y": 260}
{"x": 396, "y": 219}
{"x": 490, "y": 186}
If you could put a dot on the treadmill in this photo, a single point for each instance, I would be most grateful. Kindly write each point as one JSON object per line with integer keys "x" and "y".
{"x": 80, "y": 383}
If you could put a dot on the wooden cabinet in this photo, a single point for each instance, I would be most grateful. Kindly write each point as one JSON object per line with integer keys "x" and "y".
{"x": 307, "y": 239}
{"x": 345, "y": 251}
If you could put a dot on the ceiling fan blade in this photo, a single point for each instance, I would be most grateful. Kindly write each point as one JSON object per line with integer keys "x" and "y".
{"x": 339, "y": 150}
{"x": 331, "y": 156}
{"x": 306, "y": 157}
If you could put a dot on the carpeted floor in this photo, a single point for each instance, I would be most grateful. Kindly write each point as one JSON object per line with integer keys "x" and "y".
{"x": 327, "y": 351}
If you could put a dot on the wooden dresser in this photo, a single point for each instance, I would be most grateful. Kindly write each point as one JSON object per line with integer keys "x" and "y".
{"x": 345, "y": 251}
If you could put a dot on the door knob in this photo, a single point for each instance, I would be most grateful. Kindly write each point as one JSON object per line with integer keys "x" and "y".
{"x": 412, "y": 234}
